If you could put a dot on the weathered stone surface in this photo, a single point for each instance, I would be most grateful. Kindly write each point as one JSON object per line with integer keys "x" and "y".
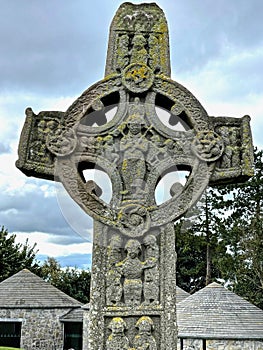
{"x": 220, "y": 344}
{"x": 133, "y": 281}
{"x": 41, "y": 328}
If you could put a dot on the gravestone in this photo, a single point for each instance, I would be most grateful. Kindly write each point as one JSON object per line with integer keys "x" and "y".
{"x": 137, "y": 125}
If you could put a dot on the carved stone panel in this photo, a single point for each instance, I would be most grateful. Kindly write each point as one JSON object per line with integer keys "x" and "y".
{"x": 134, "y": 333}
{"x": 133, "y": 271}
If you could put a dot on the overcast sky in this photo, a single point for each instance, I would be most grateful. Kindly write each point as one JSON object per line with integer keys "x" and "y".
{"x": 52, "y": 50}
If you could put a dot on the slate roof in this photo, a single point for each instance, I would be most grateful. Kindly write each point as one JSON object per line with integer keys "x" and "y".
{"x": 217, "y": 313}
{"x": 181, "y": 294}
{"x": 26, "y": 290}
{"x": 75, "y": 315}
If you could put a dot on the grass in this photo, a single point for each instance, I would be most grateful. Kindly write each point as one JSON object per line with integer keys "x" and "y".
{"x": 7, "y": 348}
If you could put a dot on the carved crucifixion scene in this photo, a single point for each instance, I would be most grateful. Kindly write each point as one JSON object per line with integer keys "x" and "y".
{"x": 137, "y": 125}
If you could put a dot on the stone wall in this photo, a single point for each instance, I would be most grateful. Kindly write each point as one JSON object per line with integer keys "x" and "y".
{"x": 190, "y": 344}
{"x": 197, "y": 344}
{"x": 41, "y": 328}
{"x": 234, "y": 345}
{"x": 85, "y": 327}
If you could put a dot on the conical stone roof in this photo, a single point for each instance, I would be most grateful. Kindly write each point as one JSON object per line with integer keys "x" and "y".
{"x": 181, "y": 294}
{"x": 26, "y": 290}
{"x": 217, "y": 313}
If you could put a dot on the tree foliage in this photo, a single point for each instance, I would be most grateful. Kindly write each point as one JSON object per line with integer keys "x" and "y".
{"x": 72, "y": 281}
{"x": 15, "y": 256}
{"x": 202, "y": 252}
{"x": 222, "y": 239}
{"x": 245, "y": 223}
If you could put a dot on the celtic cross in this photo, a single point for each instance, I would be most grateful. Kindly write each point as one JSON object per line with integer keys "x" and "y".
{"x": 137, "y": 125}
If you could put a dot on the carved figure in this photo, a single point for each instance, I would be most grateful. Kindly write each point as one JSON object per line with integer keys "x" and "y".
{"x": 132, "y": 268}
{"x": 151, "y": 274}
{"x": 169, "y": 145}
{"x": 51, "y": 125}
{"x": 134, "y": 146}
{"x": 231, "y": 156}
{"x": 114, "y": 249}
{"x": 38, "y": 150}
{"x": 123, "y": 55}
{"x": 117, "y": 340}
{"x": 41, "y": 128}
{"x": 227, "y": 155}
{"x": 114, "y": 288}
{"x": 156, "y": 150}
{"x": 110, "y": 150}
{"x": 138, "y": 52}
{"x": 144, "y": 340}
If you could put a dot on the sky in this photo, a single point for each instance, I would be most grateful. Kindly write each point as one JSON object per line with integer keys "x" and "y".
{"x": 52, "y": 50}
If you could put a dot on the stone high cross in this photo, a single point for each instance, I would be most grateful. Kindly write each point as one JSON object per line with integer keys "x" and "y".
{"x": 133, "y": 293}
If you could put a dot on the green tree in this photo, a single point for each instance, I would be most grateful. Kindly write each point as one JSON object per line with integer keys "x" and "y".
{"x": 51, "y": 271}
{"x": 191, "y": 267}
{"x": 15, "y": 256}
{"x": 72, "y": 281}
{"x": 244, "y": 228}
{"x": 223, "y": 238}
{"x": 202, "y": 253}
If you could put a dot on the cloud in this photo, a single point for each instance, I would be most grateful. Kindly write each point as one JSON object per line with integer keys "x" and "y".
{"x": 32, "y": 209}
{"x": 51, "y": 45}
{"x": 29, "y": 205}
{"x": 4, "y": 148}
{"x": 75, "y": 254}
{"x": 81, "y": 261}
{"x": 231, "y": 76}
{"x": 200, "y": 31}
{"x": 231, "y": 86}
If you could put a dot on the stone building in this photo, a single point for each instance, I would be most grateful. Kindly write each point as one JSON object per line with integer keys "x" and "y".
{"x": 36, "y": 315}
{"x": 214, "y": 318}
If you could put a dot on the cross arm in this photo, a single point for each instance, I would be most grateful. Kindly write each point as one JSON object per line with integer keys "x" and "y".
{"x": 34, "y": 158}
{"x": 236, "y": 162}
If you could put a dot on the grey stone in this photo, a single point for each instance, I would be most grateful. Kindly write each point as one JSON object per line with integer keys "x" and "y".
{"x": 39, "y": 307}
{"x": 217, "y": 313}
{"x": 133, "y": 270}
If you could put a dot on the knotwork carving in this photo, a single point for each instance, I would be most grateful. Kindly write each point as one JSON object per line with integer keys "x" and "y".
{"x": 208, "y": 146}
{"x": 135, "y": 220}
{"x": 61, "y": 141}
{"x": 137, "y": 77}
